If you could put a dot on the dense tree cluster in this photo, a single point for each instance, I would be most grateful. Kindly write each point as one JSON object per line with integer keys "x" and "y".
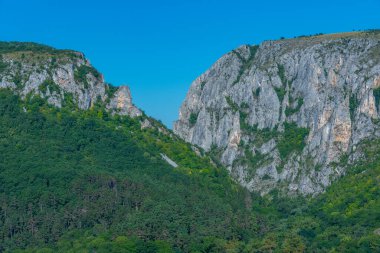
{"x": 87, "y": 181}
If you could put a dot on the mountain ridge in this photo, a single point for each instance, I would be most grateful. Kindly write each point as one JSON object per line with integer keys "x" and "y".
{"x": 88, "y": 176}
{"x": 63, "y": 77}
{"x": 252, "y": 109}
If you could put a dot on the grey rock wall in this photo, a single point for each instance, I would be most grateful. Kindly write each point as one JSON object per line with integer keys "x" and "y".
{"x": 325, "y": 84}
{"x": 62, "y": 77}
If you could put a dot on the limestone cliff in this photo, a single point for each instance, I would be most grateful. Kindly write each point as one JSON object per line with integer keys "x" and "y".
{"x": 62, "y": 77}
{"x": 287, "y": 114}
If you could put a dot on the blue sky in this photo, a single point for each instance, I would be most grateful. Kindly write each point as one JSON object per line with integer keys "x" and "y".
{"x": 159, "y": 47}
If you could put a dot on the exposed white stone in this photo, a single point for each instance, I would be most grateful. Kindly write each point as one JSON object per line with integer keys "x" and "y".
{"x": 169, "y": 161}
{"x": 34, "y": 73}
{"x": 122, "y": 103}
{"x": 326, "y": 72}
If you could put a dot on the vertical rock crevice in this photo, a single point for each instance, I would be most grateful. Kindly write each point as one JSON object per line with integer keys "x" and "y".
{"x": 247, "y": 102}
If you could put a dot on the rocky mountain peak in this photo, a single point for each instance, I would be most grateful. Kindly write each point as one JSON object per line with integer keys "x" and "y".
{"x": 62, "y": 77}
{"x": 287, "y": 114}
{"x": 121, "y": 102}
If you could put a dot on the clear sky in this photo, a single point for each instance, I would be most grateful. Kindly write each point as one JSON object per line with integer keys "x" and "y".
{"x": 159, "y": 47}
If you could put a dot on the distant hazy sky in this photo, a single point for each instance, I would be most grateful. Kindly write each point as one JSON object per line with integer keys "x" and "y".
{"x": 159, "y": 47}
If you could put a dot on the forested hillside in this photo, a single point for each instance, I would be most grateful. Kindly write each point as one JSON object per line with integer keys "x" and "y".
{"x": 89, "y": 181}
{"x": 88, "y": 171}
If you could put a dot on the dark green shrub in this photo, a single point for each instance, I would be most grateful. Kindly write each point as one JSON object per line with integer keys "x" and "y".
{"x": 49, "y": 83}
{"x": 376, "y": 94}
{"x": 17, "y": 79}
{"x": 203, "y": 83}
{"x": 244, "y": 105}
{"x": 247, "y": 63}
{"x": 280, "y": 93}
{"x": 289, "y": 110}
{"x": 7, "y": 47}
{"x": 3, "y": 65}
{"x": 281, "y": 74}
{"x": 353, "y": 105}
{"x": 266, "y": 177}
{"x": 232, "y": 104}
{"x": 256, "y": 93}
{"x": 80, "y": 74}
{"x": 292, "y": 140}
{"x": 193, "y": 119}
{"x": 110, "y": 90}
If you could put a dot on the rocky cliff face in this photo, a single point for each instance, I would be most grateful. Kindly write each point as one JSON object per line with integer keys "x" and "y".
{"x": 62, "y": 77}
{"x": 287, "y": 114}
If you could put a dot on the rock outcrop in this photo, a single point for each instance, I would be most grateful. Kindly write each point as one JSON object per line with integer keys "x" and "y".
{"x": 122, "y": 104}
{"x": 62, "y": 77}
{"x": 287, "y": 114}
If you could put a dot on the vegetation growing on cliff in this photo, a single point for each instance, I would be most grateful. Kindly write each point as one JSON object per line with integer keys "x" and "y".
{"x": 97, "y": 182}
{"x": 80, "y": 74}
{"x": 353, "y": 105}
{"x": 289, "y": 110}
{"x": 246, "y": 63}
{"x": 3, "y": 65}
{"x": 234, "y": 106}
{"x": 293, "y": 139}
{"x": 193, "y": 119}
{"x": 280, "y": 91}
{"x": 49, "y": 84}
{"x": 73, "y": 180}
{"x": 376, "y": 94}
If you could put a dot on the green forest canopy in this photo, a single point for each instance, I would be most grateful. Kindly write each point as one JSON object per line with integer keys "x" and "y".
{"x": 89, "y": 181}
